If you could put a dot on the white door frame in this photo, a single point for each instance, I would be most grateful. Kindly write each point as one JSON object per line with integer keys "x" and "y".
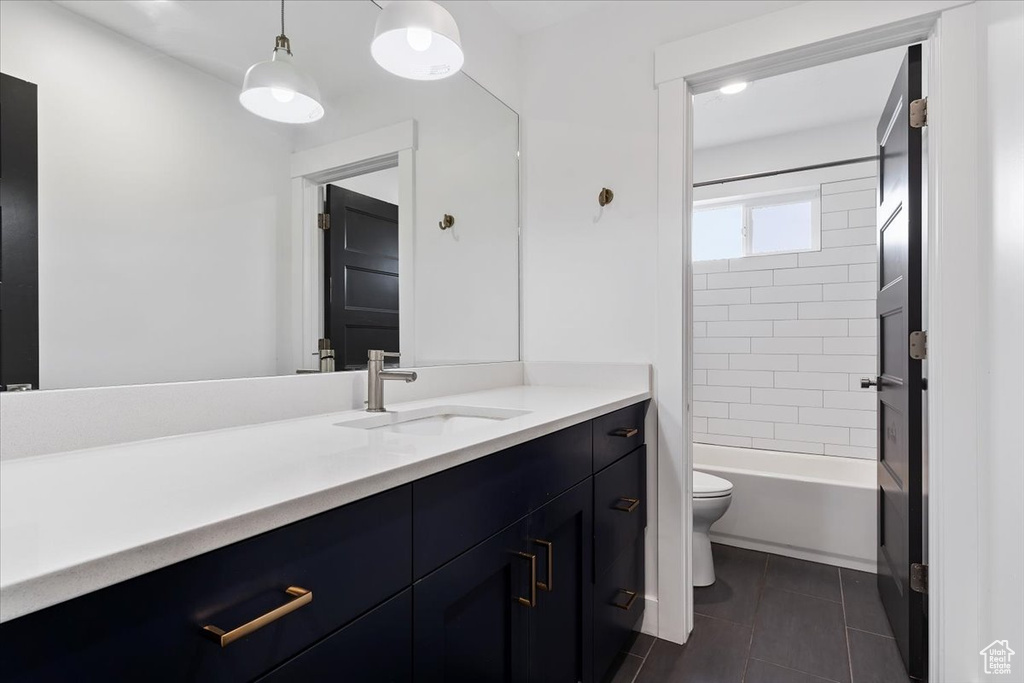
{"x": 310, "y": 169}
{"x": 766, "y": 46}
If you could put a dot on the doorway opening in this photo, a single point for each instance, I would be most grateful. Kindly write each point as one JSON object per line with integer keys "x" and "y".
{"x": 796, "y": 190}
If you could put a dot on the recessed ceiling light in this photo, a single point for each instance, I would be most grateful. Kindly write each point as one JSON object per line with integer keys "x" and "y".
{"x": 733, "y": 88}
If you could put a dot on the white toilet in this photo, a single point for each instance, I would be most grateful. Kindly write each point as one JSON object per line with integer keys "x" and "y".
{"x": 711, "y": 498}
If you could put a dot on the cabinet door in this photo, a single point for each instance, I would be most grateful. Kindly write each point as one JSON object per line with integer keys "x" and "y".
{"x": 375, "y": 648}
{"x": 471, "y": 616}
{"x": 618, "y": 606}
{"x": 561, "y": 634}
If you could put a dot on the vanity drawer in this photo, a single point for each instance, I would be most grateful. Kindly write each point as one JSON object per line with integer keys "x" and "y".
{"x": 618, "y": 606}
{"x": 151, "y": 628}
{"x": 375, "y": 648}
{"x": 618, "y": 433}
{"x": 458, "y": 508}
{"x": 620, "y": 508}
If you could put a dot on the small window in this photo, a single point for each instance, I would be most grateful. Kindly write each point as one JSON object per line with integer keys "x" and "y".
{"x": 718, "y": 232}
{"x": 762, "y": 224}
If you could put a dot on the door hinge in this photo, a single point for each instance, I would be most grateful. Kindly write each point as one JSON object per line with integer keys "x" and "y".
{"x": 919, "y": 113}
{"x": 919, "y": 577}
{"x": 918, "y": 345}
{"x": 323, "y": 221}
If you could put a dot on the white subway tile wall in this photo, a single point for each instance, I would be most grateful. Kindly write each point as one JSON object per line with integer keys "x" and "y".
{"x": 782, "y": 341}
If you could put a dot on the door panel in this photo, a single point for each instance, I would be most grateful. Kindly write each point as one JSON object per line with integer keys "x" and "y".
{"x": 561, "y": 634}
{"x": 469, "y": 624}
{"x": 360, "y": 276}
{"x": 899, "y": 382}
{"x": 19, "y": 234}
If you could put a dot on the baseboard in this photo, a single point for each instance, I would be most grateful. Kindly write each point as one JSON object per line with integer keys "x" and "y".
{"x": 810, "y": 555}
{"x": 649, "y": 624}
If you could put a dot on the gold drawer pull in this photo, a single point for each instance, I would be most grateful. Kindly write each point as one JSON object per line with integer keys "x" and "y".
{"x": 532, "y": 600}
{"x": 300, "y": 597}
{"x": 548, "y": 585}
{"x": 629, "y": 602}
{"x": 626, "y": 504}
{"x": 626, "y": 432}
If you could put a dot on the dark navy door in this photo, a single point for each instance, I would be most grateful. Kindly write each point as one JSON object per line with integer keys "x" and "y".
{"x": 471, "y": 616}
{"x": 900, "y": 443}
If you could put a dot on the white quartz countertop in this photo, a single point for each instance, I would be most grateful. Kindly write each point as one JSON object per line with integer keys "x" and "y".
{"x": 74, "y": 522}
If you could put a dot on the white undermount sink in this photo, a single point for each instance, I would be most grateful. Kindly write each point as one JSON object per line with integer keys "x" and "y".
{"x": 433, "y": 420}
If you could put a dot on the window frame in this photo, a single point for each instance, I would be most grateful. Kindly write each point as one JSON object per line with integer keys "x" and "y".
{"x": 749, "y": 202}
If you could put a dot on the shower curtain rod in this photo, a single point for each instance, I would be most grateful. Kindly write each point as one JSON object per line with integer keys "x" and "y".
{"x": 767, "y": 174}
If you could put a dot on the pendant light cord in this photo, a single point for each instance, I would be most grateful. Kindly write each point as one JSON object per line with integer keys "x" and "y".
{"x": 282, "y": 42}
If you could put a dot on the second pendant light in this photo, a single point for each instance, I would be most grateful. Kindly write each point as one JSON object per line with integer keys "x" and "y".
{"x": 417, "y": 39}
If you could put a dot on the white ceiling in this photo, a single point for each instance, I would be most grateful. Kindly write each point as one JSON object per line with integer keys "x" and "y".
{"x": 525, "y": 16}
{"x": 850, "y": 90}
{"x": 331, "y": 40}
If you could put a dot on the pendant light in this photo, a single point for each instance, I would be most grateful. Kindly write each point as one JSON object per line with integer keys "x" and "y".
{"x": 417, "y": 39}
{"x": 277, "y": 90}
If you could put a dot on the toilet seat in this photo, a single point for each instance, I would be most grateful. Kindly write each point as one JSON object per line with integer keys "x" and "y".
{"x": 709, "y": 486}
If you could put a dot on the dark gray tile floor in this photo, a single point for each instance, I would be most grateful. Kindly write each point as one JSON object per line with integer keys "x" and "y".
{"x": 773, "y": 619}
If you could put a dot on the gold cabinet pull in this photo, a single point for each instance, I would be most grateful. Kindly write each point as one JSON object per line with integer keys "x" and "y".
{"x": 548, "y": 585}
{"x": 626, "y": 504}
{"x": 532, "y": 600}
{"x": 626, "y": 432}
{"x": 629, "y": 601}
{"x": 300, "y": 597}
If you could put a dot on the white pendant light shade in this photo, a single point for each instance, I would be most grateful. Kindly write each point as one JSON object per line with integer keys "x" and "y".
{"x": 278, "y": 91}
{"x": 417, "y": 39}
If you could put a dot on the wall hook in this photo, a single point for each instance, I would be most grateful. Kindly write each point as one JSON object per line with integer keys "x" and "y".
{"x": 605, "y": 197}
{"x": 446, "y": 222}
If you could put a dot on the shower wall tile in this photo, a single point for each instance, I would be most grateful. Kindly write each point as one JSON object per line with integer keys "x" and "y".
{"x": 783, "y": 339}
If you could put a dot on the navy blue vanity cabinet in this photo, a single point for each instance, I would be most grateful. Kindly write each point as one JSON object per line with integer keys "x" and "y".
{"x": 375, "y": 648}
{"x": 618, "y": 606}
{"x": 620, "y": 516}
{"x": 617, "y": 434}
{"x": 455, "y": 509}
{"x": 620, "y": 510}
{"x": 518, "y": 606}
{"x": 561, "y": 633}
{"x": 151, "y": 628}
{"x": 471, "y": 616}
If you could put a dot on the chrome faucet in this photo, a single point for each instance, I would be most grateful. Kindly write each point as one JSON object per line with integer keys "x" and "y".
{"x": 377, "y": 375}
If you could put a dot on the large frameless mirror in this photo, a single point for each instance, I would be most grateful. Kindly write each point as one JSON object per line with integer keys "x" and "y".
{"x": 166, "y": 233}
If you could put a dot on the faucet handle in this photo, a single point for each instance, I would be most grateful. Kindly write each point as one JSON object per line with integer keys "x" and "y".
{"x": 377, "y": 354}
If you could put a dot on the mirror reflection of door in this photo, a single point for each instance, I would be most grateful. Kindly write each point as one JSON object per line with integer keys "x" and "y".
{"x": 19, "y": 236}
{"x": 360, "y": 276}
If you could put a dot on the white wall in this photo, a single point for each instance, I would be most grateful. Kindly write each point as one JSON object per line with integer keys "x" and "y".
{"x": 590, "y": 121}
{"x": 1001, "y": 248}
{"x": 781, "y": 341}
{"x": 160, "y": 200}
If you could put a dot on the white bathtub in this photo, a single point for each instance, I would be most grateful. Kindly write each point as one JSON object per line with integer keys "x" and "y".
{"x": 819, "y": 508}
